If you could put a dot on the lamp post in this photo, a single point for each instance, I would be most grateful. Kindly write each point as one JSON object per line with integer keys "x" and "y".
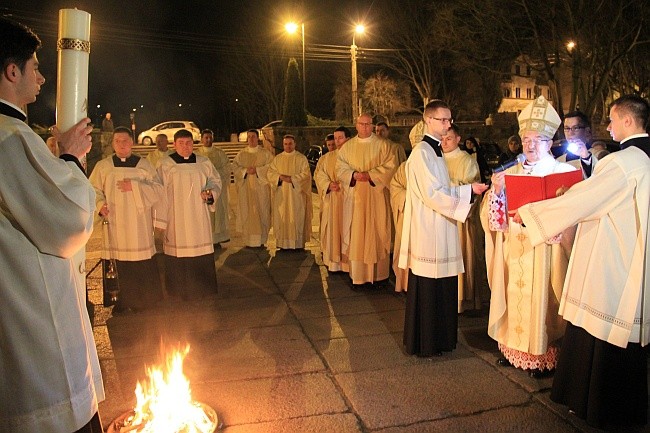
{"x": 353, "y": 56}
{"x": 291, "y": 28}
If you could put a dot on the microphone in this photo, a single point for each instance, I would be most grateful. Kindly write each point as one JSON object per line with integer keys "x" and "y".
{"x": 506, "y": 165}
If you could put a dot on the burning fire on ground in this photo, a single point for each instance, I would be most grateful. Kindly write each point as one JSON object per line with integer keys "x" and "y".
{"x": 164, "y": 403}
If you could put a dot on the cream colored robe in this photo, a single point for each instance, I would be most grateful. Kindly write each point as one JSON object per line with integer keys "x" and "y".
{"x": 156, "y": 155}
{"x": 366, "y": 214}
{"x": 463, "y": 170}
{"x": 331, "y": 213}
{"x": 50, "y": 379}
{"x": 219, "y": 219}
{"x": 397, "y": 202}
{"x": 430, "y": 246}
{"x": 254, "y": 195}
{"x": 607, "y": 278}
{"x": 188, "y": 230}
{"x": 130, "y": 216}
{"x": 526, "y": 281}
{"x": 292, "y": 208}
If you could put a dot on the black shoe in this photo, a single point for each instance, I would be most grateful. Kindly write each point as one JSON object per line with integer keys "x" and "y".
{"x": 358, "y": 287}
{"x": 503, "y": 362}
{"x": 540, "y": 374}
{"x": 422, "y": 355}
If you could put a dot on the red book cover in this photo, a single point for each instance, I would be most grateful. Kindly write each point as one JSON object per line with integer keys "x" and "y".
{"x": 522, "y": 189}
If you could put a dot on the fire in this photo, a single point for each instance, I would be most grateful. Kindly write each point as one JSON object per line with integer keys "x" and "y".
{"x": 164, "y": 402}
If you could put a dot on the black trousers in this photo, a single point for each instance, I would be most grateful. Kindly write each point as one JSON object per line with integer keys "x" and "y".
{"x": 93, "y": 426}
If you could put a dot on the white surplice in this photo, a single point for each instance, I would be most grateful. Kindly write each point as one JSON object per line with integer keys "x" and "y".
{"x": 188, "y": 229}
{"x": 219, "y": 219}
{"x": 366, "y": 215}
{"x": 430, "y": 246}
{"x": 50, "y": 379}
{"x": 292, "y": 208}
{"x": 130, "y": 217}
{"x": 606, "y": 291}
{"x": 254, "y": 195}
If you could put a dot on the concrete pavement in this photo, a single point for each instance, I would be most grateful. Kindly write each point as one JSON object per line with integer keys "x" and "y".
{"x": 286, "y": 346}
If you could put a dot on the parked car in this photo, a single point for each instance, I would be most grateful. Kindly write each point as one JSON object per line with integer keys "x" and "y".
{"x": 169, "y": 128}
{"x": 313, "y": 154}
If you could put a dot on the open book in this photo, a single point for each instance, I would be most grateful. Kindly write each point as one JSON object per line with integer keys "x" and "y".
{"x": 522, "y": 189}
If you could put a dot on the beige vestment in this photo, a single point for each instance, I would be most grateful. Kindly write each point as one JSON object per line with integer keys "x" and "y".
{"x": 292, "y": 208}
{"x": 525, "y": 280}
{"x": 156, "y": 155}
{"x": 463, "y": 170}
{"x": 331, "y": 216}
{"x": 254, "y": 195}
{"x": 397, "y": 202}
{"x": 366, "y": 215}
{"x": 219, "y": 218}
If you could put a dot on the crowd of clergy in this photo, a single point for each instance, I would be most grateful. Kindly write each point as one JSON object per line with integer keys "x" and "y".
{"x": 448, "y": 236}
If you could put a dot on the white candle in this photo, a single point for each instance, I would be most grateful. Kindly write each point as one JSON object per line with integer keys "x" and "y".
{"x": 73, "y": 47}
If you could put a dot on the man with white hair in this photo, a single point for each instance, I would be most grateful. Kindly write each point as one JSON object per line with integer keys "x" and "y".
{"x": 525, "y": 280}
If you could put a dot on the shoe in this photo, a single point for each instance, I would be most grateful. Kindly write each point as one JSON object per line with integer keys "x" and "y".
{"x": 422, "y": 355}
{"x": 540, "y": 374}
{"x": 503, "y": 362}
{"x": 358, "y": 287}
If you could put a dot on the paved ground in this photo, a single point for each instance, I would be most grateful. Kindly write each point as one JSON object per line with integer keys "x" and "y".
{"x": 288, "y": 347}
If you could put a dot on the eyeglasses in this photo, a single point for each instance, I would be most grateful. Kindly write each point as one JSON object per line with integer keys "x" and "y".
{"x": 364, "y": 124}
{"x": 535, "y": 141}
{"x": 443, "y": 119}
{"x": 574, "y": 128}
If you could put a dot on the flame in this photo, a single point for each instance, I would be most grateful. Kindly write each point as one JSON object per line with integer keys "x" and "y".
{"x": 164, "y": 403}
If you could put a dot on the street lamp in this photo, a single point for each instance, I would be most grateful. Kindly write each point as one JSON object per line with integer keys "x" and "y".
{"x": 353, "y": 54}
{"x": 291, "y": 28}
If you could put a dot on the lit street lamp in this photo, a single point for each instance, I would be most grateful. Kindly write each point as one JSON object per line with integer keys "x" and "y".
{"x": 291, "y": 28}
{"x": 353, "y": 53}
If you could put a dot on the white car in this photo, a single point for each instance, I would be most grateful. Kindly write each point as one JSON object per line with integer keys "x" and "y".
{"x": 169, "y": 128}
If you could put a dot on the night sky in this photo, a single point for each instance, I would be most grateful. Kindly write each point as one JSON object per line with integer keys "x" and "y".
{"x": 153, "y": 54}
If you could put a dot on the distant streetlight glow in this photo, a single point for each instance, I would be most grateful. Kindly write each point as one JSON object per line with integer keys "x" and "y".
{"x": 291, "y": 27}
{"x": 570, "y": 45}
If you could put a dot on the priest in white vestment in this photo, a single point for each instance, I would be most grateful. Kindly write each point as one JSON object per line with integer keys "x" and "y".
{"x": 50, "y": 378}
{"x": 365, "y": 167}
{"x": 218, "y": 218}
{"x": 191, "y": 183}
{"x": 160, "y": 151}
{"x": 430, "y": 247}
{"x": 602, "y": 375}
{"x": 290, "y": 180}
{"x": 250, "y": 168}
{"x": 463, "y": 170}
{"x": 127, "y": 187}
{"x": 397, "y": 202}
{"x": 330, "y": 192}
{"x": 525, "y": 280}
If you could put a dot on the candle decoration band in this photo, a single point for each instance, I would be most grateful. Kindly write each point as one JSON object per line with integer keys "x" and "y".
{"x": 73, "y": 44}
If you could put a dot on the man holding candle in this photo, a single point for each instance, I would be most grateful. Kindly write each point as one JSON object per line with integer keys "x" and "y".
{"x": 50, "y": 380}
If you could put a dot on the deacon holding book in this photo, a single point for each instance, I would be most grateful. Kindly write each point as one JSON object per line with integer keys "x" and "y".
{"x": 525, "y": 280}
{"x": 602, "y": 375}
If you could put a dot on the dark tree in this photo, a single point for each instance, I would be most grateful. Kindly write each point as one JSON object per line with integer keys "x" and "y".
{"x": 293, "y": 113}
